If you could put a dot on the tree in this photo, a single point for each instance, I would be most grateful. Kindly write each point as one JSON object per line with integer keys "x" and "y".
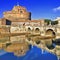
{"x": 54, "y": 22}
{"x": 47, "y": 21}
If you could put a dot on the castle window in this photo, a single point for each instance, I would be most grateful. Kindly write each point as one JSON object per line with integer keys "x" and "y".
{"x": 8, "y": 22}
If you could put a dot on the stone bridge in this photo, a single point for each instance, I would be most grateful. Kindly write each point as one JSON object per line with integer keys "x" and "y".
{"x": 50, "y": 30}
{"x": 37, "y": 32}
{"x": 53, "y": 30}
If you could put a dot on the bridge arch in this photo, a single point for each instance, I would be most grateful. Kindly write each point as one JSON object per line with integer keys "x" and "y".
{"x": 37, "y": 30}
{"x": 50, "y": 32}
{"x": 29, "y": 29}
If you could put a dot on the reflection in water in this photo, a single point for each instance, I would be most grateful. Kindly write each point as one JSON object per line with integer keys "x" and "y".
{"x": 2, "y": 52}
{"x": 33, "y": 54}
{"x": 52, "y": 46}
{"x": 19, "y": 45}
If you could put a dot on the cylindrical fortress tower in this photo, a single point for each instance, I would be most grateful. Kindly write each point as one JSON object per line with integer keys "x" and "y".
{"x": 18, "y": 13}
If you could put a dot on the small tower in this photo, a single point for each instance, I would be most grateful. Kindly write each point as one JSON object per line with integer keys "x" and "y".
{"x": 18, "y": 13}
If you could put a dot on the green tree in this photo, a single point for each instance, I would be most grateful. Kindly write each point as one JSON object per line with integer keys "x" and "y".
{"x": 47, "y": 21}
{"x": 54, "y": 22}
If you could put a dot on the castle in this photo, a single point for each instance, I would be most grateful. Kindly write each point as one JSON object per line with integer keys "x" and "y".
{"x": 18, "y": 20}
{"x": 19, "y": 15}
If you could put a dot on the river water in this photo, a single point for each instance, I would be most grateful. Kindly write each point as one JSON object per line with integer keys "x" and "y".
{"x": 34, "y": 53}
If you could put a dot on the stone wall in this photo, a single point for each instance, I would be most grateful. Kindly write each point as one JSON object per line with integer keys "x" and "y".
{"x": 18, "y": 12}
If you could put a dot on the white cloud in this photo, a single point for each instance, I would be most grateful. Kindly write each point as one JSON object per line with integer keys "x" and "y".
{"x": 57, "y": 8}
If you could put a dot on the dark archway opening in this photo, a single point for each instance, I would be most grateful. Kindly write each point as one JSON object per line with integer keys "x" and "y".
{"x": 50, "y": 32}
{"x": 37, "y": 42}
{"x": 37, "y": 30}
{"x": 56, "y": 42}
{"x": 8, "y": 22}
{"x": 52, "y": 46}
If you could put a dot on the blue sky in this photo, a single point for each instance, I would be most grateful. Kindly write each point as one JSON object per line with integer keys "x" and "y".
{"x": 49, "y": 9}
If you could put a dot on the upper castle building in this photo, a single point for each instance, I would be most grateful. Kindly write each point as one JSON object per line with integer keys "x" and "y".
{"x": 19, "y": 16}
